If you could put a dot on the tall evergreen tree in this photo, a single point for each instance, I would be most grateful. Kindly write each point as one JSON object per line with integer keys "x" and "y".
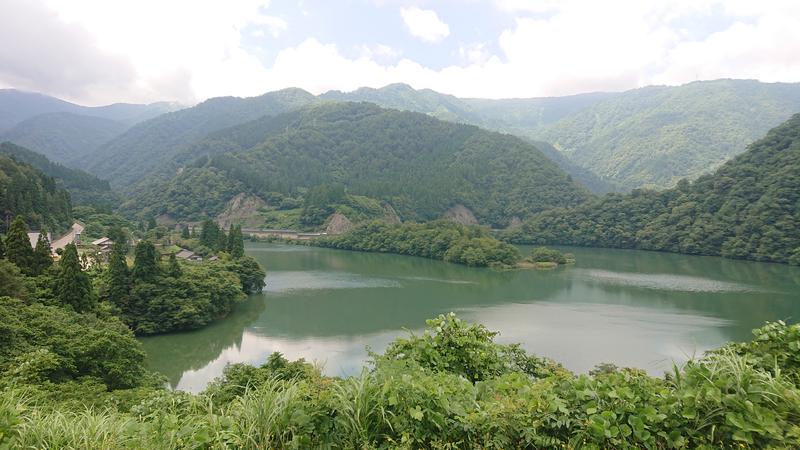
{"x": 209, "y": 234}
{"x": 18, "y": 246}
{"x": 145, "y": 263}
{"x": 2, "y": 248}
{"x": 119, "y": 276}
{"x": 185, "y": 232}
{"x": 42, "y": 255}
{"x": 73, "y": 286}
{"x": 236, "y": 242}
{"x": 222, "y": 241}
{"x": 173, "y": 267}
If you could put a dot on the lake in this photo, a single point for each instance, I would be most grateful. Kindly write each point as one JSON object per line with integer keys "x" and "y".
{"x": 632, "y": 308}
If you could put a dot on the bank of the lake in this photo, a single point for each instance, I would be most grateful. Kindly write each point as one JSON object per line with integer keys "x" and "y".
{"x": 632, "y": 308}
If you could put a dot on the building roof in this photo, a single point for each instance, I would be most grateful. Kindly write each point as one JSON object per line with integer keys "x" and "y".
{"x": 184, "y": 254}
{"x": 103, "y": 241}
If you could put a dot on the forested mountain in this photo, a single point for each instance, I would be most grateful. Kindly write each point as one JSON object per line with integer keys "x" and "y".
{"x": 26, "y": 192}
{"x": 148, "y": 146}
{"x": 749, "y": 208}
{"x": 421, "y": 165}
{"x": 649, "y": 137}
{"x": 83, "y": 187}
{"x": 64, "y": 137}
{"x": 18, "y": 106}
{"x": 654, "y": 136}
{"x": 523, "y": 117}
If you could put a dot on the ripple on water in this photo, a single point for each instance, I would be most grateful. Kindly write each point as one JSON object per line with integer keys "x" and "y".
{"x": 666, "y": 282}
{"x": 290, "y": 280}
{"x": 439, "y": 280}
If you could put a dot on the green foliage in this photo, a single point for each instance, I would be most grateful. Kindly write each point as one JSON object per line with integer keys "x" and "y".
{"x": 42, "y": 257}
{"x": 202, "y": 293}
{"x": 749, "y": 208}
{"x": 544, "y": 254}
{"x": 239, "y": 378}
{"x": 451, "y": 345}
{"x": 12, "y": 281}
{"x": 119, "y": 277}
{"x": 18, "y": 246}
{"x": 419, "y": 395}
{"x": 364, "y": 150}
{"x": 146, "y": 262}
{"x": 35, "y": 197}
{"x": 50, "y": 343}
{"x": 173, "y": 268}
{"x": 250, "y": 273}
{"x": 441, "y": 239}
{"x": 236, "y": 242}
{"x": 73, "y": 287}
{"x": 83, "y": 187}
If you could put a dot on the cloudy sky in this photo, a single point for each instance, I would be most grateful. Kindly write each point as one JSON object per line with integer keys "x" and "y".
{"x": 103, "y": 51}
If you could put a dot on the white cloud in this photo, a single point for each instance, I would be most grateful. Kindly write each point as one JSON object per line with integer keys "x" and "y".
{"x": 97, "y": 51}
{"x": 425, "y": 24}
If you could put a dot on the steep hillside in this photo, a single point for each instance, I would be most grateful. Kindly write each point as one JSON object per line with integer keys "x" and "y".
{"x": 654, "y": 136}
{"x": 18, "y": 106}
{"x": 64, "y": 137}
{"x": 84, "y": 188}
{"x": 420, "y": 165}
{"x": 152, "y": 145}
{"x": 749, "y": 208}
{"x": 27, "y": 192}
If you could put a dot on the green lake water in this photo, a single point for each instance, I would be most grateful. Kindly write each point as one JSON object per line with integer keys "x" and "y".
{"x": 632, "y": 308}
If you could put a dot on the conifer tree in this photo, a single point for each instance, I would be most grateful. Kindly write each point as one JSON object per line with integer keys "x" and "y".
{"x": 209, "y": 234}
{"x": 119, "y": 276}
{"x": 2, "y": 248}
{"x": 185, "y": 232}
{"x": 222, "y": 241}
{"x": 145, "y": 262}
{"x": 236, "y": 242}
{"x": 73, "y": 286}
{"x": 173, "y": 267}
{"x": 18, "y": 246}
{"x": 42, "y": 255}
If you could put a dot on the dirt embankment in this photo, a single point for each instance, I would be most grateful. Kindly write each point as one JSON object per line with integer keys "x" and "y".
{"x": 460, "y": 214}
{"x": 241, "y": 209}
{"x": 338, "y": 224}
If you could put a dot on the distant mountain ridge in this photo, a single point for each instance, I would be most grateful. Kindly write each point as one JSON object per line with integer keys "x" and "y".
{"x": 17, "y": 106}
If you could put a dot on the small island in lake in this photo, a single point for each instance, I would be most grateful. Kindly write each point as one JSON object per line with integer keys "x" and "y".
{"x": 546, "y": 258}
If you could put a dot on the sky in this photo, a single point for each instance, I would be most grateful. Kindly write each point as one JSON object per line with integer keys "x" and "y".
{"x": 104, "y": 51}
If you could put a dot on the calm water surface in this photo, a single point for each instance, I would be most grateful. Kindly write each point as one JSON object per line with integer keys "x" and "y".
{"x": 632, "y": 308}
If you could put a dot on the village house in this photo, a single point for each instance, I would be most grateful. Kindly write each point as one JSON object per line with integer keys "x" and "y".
{"x": 188, "y": 255}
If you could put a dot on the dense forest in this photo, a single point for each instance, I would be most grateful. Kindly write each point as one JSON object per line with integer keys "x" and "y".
{"x": 420, "y": 165}
{"x": 82, "y": 384}
{"x": 441, "y": 240}
{"x": 749, "y": 208}
{"x": 84, "y": 188}
{"x": 32, "y": 195}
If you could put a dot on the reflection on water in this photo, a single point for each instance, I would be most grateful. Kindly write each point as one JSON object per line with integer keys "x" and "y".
{"x": 664, "y": 281}
{"x": 632, "y": 308}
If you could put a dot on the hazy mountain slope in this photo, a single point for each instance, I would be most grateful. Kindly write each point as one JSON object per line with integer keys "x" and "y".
{"x": 151, "y": 146}
{"x": 583, "y": 176}
{"x": 64, "y": 137}
{"x": 83, "y": 187}
{"x": 655, "y": 136}
{"x": 17, "y": 106}
{"x": 749, "y": 208}
{"x": 421, "y": 165}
